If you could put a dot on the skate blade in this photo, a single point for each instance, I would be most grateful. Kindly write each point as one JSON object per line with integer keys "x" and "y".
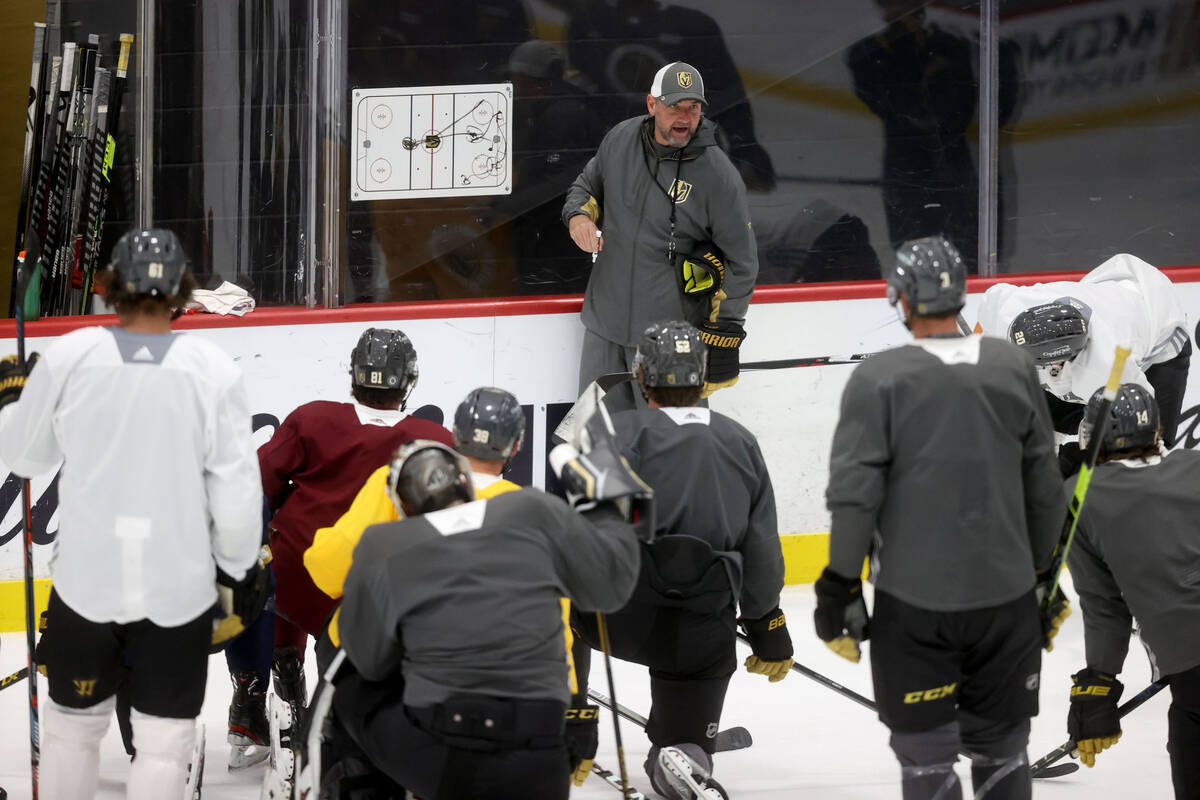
{"x": 247, "y": 755}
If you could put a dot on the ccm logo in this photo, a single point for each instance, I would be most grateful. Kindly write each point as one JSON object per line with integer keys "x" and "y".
{"x": 930, "y": 694}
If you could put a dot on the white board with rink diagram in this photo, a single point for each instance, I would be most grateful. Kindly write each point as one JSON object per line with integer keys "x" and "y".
{"x": 432, "y": 141}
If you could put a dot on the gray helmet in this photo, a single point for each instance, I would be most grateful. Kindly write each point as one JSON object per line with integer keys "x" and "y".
{"x": 930, "y": 274}
{"x": 384, "y": 359}
{"x": 489, "y": 424}
{"x": 671, "y": 354}
{"x": 150, "y": 262}
{"x": 1132, "y": 422}
{"x": 425, "y": 476}
{"x": 1050, "y": 332}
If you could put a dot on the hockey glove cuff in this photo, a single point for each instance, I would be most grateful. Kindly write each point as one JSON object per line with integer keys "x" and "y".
{"x": 723, "y": 339}
{"x": 583, "y": 736}
{"x": 1052, "y": 614}
{"x": 13, "y": 378}
{"x": 841, "y": 615}
{"x": 771, "y": 643}
{"x": 1093, "y": 721}
{"x": 241, "y": 601}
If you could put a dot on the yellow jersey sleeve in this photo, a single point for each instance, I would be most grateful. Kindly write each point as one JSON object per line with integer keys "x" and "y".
{"x": 328, "y": 558}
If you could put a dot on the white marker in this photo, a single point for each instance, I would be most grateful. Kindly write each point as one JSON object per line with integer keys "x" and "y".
{"x": 596, "y": 252}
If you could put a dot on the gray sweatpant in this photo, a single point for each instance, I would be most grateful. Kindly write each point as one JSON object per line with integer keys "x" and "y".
{"x": 602, "y": 357}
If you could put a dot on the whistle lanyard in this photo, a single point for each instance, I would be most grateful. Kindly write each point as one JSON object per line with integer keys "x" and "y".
{"x": 670, "y": 197}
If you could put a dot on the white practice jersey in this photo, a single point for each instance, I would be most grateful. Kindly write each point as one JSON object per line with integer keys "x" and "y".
{"x": 160, "y": 480}
{"x": 1126, "y": 301}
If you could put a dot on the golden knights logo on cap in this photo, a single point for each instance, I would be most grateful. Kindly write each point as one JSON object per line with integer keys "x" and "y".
{"x": 685, "y": 79}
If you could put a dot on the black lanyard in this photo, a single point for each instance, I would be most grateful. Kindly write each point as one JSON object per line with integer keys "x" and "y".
{"x": 674, "y": 187}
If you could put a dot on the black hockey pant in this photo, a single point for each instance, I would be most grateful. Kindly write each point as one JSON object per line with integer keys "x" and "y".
{"x": 1183, "y": 733}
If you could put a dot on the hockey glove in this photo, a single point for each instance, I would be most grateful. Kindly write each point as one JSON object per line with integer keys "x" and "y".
{"x": 723, "y": 339}
{"x": 241, "y": 601}
{"x": 597, "y": 473}
{"x": 13, "y": 378}
{"x": 1052, "y": 614}
{"x": 841, "y": 615}
{"x": 583, "y": 736}
{"x": 1093, "y": 721}
{"x": 772, "y": 645}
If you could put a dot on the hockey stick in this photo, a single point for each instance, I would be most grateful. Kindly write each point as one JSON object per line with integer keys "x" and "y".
{"x": 27, "y": 554}
{"x": 1051, "y": 772}
{"x": 16, "y": 677}
{"x": 1042, "y": 765}
{"x": 605, "y": 646}
{"x": 29, "y": 162}
{"x": 1085, "y": 477}
{"x": 629, "y": 792}
{"x": 729, "y": 739}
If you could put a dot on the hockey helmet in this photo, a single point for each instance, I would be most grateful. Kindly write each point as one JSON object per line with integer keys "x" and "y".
{"x": 930, "y": 274}
{"x": 1050, "y": 332}
{"x": 384, "y": 359}
{"x": 671, "y": 354}
{"x": 1132, "y": 421}
{"x": 489, "y": 424}
{"x": 149, "y": 261}
{"x": 425, "y": 476}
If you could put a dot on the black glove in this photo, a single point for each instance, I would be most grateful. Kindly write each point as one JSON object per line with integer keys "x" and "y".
{"x": 771, "y": 643}
{"x": 240, "y": 602}
{"x": 583, "y": 736}
{"x": 1052, "y": 614}
{"x": 13, "y": 378}
{"x": 1070, "y": 458}
{"x": 841, "y": 615}
{"x": 1093, "y": 721}
{"x": 723, "y": 339}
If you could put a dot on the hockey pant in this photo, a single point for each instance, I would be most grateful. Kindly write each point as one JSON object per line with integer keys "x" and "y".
{"x": 1169, "y": 380}
{"x": 999, "y": 763}
{"x": 468, "y": 748}
{"x": 1183, "y": 733}
{"x": 680, "y": 622}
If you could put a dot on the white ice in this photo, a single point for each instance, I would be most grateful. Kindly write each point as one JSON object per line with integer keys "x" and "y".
{"x": 809, "y": 742}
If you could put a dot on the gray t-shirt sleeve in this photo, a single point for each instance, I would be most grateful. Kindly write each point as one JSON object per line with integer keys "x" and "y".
{"x": 858, "y": 473}
{"x": 369, "y": 622}
{"x": 1106, "y": 619}
{"x": 1041, "y": 476}
{"x": 596, "y": 556}
{"x": 762, "y": 558}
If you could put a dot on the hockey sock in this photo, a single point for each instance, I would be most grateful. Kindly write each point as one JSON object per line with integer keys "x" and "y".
{"x": 999, "y": 763}
{"x": 164, "y": 749}
{"x": 927, "y": 763}
{"x": 71, "y": 749}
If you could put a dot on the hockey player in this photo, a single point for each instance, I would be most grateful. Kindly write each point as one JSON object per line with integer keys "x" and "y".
{"x": 943, "y": 470}
{"x": 716, "y": 547}
{"x": 451, "y": 622}
{"x": 1134, "y": 555}
{"x": 1071, "y": 328}
{"x": 160, "y": 502}
{"x": 311, "y": 468}
{"x": 489, "y": 428}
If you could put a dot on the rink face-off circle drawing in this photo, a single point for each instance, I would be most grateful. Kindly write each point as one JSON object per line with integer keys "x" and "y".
{"x": 432, "y": 141}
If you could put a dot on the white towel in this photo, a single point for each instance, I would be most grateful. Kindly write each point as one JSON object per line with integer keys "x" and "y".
{"x": 228, "y": 298}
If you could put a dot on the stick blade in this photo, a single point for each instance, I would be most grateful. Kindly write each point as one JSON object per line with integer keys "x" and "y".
{"x": 733, "y": 739}
{"x": 1056, "y": 771}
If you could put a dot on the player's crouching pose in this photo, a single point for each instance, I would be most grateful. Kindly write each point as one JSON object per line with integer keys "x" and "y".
{"x": 456, "y": 679}
{"x": 943, "y": 469}
{"x": 159, "y": 502}
{"x": 716, "y": 546}
{"x": 1135, "y": 554}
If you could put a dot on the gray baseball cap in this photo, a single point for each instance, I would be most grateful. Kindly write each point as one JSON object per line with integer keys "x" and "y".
{"x": 678, "y": 81}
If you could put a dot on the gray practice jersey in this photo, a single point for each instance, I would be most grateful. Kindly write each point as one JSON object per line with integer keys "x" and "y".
{"x": 944, "y": 456}
{"x": 466, "y": 599}
{"x": 710, "y": 481}
{"x": 1137, "y": 552}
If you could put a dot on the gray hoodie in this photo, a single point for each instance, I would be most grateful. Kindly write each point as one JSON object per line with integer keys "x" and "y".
{"x": 624, "y": 189}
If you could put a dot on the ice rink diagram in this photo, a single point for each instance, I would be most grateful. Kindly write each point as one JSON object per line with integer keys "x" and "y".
{"x": 432, "y": 141}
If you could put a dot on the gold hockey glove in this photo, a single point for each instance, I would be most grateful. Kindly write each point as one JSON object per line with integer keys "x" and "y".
{"x": 841, "y": 615}
{"x": 771, "y": 643}
{"x": 1093, "y": 721}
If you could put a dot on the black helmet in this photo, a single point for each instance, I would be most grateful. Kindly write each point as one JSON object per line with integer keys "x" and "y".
{"x": 384, "y": 359}
{"x": 1050, "y": 332}
{"x": 489, "y": 424}
{"x": 425, "y": 476}
{"x": 671, "y": 354}
{"x": 1132, "y": 422}
{"x": 149, "y": 262}
{"x": 930, "y": 274}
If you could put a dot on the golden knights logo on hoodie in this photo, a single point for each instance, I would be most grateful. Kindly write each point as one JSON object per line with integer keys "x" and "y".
{"x": 680, "y": 190}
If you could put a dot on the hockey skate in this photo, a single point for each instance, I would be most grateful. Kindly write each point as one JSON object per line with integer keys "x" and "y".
{"x": 280, "y": 777}
{"x": 249, "y": 732}
{"x": 680, "y": 776}
{"x": 195, "y": 777}
{"x": 287, "y": 670}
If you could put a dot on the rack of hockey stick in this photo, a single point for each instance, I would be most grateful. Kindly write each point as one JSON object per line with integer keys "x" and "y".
{"x": 70, "y": 143}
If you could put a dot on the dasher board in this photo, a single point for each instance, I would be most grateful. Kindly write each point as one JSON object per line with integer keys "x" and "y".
{"x": 432, "y": 141}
